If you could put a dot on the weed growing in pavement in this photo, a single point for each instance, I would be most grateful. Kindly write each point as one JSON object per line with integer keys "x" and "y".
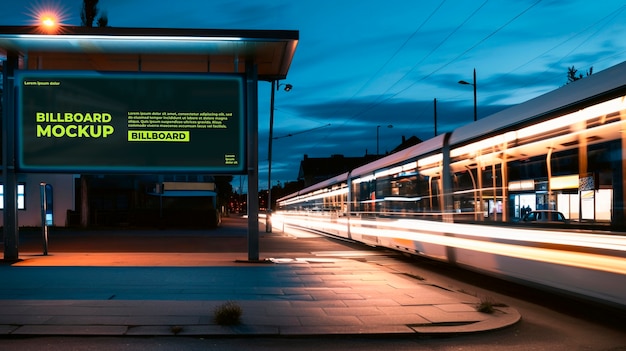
{"x": 228, "y": 313}
{"x": 488, "y": 305}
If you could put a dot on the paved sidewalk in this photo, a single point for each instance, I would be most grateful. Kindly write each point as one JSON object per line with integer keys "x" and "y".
{"x": 176, "y": 293}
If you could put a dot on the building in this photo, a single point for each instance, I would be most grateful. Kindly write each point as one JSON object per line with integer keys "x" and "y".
{"x": 314, "y": 170}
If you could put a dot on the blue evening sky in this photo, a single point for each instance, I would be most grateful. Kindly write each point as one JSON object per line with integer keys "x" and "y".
{"x": 364, "y": 63}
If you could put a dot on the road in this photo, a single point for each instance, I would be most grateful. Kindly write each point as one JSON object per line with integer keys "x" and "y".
{"x": 549, "y": 322}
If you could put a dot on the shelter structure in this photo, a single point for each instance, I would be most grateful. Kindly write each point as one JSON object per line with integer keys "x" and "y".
{"x": 257, "y": 55}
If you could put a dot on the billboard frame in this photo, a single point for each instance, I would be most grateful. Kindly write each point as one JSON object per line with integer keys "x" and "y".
{"x": 142, "y": 79}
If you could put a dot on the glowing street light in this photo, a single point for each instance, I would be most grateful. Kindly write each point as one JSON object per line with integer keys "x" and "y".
{"x": 48, "y": 21}
{"x": 49, "y": 18}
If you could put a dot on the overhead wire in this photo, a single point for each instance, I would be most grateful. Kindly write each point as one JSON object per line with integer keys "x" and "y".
{"x": 378, "y": 101}
{"x": 432, "y": 51}
{"x": 301, "y": 132}
{"x": 375, "y": 75}
{"x": 464, "y": 52}
{"x": 606, "y": 19}
{"x": 450, "y": 61}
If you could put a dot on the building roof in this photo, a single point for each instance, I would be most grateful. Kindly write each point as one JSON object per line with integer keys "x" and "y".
{"x": 313, "y": 170}
{"x": 406, "y": 143}
{"x": 152, "y": 49}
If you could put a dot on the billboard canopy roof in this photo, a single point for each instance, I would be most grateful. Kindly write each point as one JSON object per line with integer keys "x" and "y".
{"x": 151, "y": 49}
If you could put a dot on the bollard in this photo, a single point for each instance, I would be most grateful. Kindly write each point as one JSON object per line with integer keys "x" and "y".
{"x": 44, "y": 220}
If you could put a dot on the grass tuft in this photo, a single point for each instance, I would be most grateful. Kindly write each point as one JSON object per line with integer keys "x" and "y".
{"x": 228, "y": 313}
{"x": 176, "y": 329}
{"x": 486, "y": 305}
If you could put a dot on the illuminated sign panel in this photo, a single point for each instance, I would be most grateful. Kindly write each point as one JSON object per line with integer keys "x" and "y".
{"x": 130, "y": 122}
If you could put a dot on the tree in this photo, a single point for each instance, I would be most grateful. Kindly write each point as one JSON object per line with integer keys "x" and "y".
{"x": 572, "y": 71}
{"x": 224, "y": 190}
{"x": 279, "y": 190}
{"x": 103, "y": 20}
{"x": 89, "y": 14}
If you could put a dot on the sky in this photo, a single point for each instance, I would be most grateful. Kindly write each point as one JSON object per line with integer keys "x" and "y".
{"x": 361, "y": 64}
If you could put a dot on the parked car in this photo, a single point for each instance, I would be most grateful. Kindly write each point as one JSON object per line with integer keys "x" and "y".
{"x": 544, "y": 216}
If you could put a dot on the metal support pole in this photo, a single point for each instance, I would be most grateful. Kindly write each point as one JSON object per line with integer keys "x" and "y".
{"x": 448, "y": 201}
{"x": 11, "y": 230}
{"x": 475, "y": 108}
{"x": 44, "y": 221}
{"x": 435, "y": 114}
{"x": 473, "y": 84}
{"x": 268, "y": 211}
{"x": 253, "y": 160}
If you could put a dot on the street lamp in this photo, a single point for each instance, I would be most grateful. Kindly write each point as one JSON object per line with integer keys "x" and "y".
{"x": 48, "y": 21}
{"x": 268, "y": 210}
{"x": 48, "y": 24}
{"x": 377, "y": 136}
{"x": 48, "y": 18}
{"x": 474, "y": 85}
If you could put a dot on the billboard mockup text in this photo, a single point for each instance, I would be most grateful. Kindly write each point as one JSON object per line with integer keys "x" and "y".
{"x": 138, "y": 123}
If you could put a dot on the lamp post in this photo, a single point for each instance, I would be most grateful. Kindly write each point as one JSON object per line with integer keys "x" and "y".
{"x": 474, "y": 85}
{"x": 377, "y": 136}
{"x": 268, "y": 210}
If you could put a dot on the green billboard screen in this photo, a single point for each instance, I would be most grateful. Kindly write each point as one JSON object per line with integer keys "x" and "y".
{"x": 77, "y": 122}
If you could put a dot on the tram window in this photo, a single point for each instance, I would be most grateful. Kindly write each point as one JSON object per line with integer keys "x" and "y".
{"x": 21, "y": 205}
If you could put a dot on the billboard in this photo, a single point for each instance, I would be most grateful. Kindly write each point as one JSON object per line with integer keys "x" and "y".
{"x": 80, "y": 122}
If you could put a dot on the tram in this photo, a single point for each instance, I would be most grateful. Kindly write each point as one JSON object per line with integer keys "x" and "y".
{"x": 465, "y": 197}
